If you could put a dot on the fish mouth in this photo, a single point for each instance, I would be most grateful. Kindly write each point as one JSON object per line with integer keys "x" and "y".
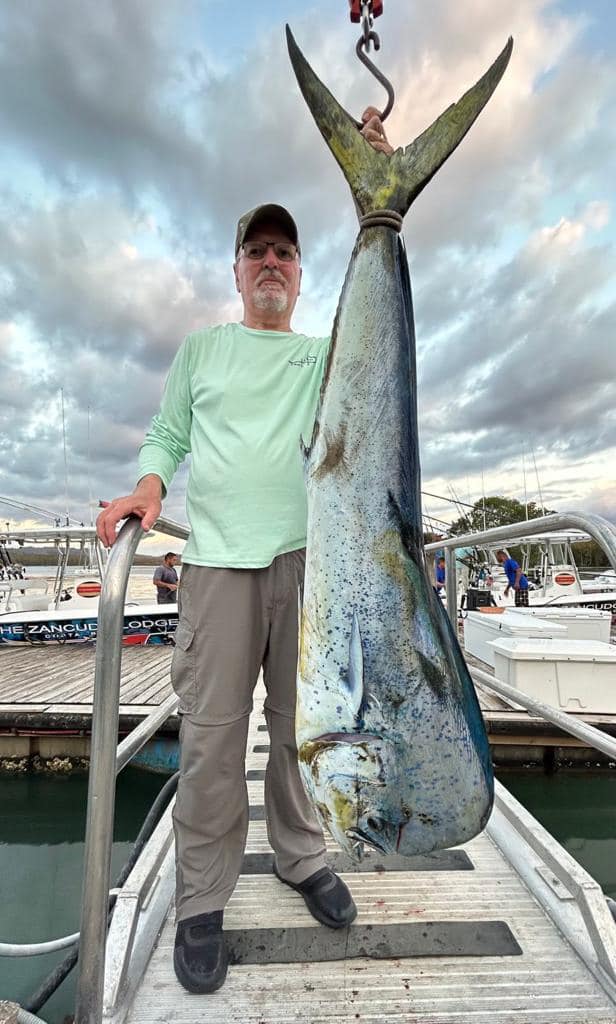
{"x": 386, "y": 841}
{"x": 357, "y": 835}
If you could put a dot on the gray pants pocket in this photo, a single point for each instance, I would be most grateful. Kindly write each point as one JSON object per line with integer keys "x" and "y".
{"x": 184, "y": 668}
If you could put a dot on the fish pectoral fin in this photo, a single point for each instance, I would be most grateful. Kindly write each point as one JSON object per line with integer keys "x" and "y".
{"x": 356, "y": 666}
{"x": 361, "y": 699}
{"x": 378, "y": 181}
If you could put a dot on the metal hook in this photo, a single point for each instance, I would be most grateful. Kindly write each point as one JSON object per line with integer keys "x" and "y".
{"x": 362, "y": 49}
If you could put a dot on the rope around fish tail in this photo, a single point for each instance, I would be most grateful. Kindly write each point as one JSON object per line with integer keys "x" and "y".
{"x": 381, "y": 218}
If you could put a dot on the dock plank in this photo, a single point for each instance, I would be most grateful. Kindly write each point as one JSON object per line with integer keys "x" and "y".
{"x": 64, "y": 675}
{"x": 547, "y": 984}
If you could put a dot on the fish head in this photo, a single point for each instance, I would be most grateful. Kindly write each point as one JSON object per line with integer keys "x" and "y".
{"x": 353, "y": 780}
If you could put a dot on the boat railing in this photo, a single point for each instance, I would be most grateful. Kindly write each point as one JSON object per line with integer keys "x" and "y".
{"x": 599, "y": 529}
{"x": 101, "y": 784}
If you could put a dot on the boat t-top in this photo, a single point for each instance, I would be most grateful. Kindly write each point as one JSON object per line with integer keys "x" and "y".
{"x": 549, "y": 564}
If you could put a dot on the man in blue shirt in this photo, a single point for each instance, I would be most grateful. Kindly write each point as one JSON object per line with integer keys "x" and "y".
{"x": 440, "y": 574}
{"x": 516, "y": 578}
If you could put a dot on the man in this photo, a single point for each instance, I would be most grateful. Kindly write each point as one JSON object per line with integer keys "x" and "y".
{"x": 166, "y": 579}
{"x": 238, "y": 397}
{"x": 440, "y": 574}
{"x": 516, "y": 579}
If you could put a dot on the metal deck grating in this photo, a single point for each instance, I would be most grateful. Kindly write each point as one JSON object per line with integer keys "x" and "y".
{"x": 547, "y": 984}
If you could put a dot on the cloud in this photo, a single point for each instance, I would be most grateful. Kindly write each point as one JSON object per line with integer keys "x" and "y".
{"x": 89, "y": 95}
{"x": 144, "y": 145}
{"x": 602, "y": 501}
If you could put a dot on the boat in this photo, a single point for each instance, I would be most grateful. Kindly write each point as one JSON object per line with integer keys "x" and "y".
{"x": 553, "y": 576}
{"x": 599, "y": 583}
{"x": 39, "y": 610}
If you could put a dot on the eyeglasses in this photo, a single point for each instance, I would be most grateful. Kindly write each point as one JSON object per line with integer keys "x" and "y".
{"x": 285, "y": 251}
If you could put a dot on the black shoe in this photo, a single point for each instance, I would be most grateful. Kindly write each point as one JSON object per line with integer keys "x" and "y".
{"x": 200, "y": 956}
{"x": 326, "y": 897}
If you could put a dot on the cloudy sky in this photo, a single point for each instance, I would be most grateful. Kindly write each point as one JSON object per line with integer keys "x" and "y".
{"x": 134, "y": 132}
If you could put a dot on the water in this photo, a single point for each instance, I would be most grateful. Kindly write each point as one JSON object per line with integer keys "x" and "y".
{"x": 579, "y": 809}
{"x": 42, "y": 825}
{"x": 140, "y": 586}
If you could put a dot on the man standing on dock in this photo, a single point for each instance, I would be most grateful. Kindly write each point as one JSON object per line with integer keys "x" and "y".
{"x": 439, "y": 575}
{"x": 516, "y": 579}
{"x": 166, "y": 579}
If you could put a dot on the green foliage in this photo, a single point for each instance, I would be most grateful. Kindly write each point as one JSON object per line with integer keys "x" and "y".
{"x": 431, "y": 538}
{"x": 589, "y": 553}
{"x": 495, "y": 511}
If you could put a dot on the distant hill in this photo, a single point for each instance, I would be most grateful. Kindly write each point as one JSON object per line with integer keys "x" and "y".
{"x": 49, "y": 556}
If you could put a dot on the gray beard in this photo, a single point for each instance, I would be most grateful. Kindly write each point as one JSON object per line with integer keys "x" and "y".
{"x": 268, "y": 302}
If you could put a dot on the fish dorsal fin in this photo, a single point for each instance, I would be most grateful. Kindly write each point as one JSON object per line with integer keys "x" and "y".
{"x": 356, "y": 666}
{"x": 305, "y": 452}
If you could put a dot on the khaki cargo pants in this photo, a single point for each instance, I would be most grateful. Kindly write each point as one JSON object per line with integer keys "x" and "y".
{"x": 232, "y": 623}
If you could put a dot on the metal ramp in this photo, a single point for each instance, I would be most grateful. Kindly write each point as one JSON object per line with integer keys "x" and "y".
{"x": 526, "y": 972}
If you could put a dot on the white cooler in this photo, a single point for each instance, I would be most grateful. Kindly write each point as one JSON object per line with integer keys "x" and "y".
{"x": 581, "y": 623}
{"x": 481, "y": 628}
{"x": 575, "y": 675}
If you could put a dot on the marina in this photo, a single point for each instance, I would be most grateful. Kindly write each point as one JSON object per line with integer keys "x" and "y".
{"x": 448, "y": 716}
{"x": 46, "y": 710}
{"x": 63, "y": 609}
{"x": 481, "y": 932}
{"x": 548, "y": 562}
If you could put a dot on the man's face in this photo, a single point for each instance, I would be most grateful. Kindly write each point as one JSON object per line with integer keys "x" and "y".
{"x": 171, "y": 561}
{"x": 268, "y": 285}
{"x": 501, "y": 557}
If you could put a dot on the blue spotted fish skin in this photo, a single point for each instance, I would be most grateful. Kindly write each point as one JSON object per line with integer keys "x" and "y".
{"x": 365, "y": 564}
{"x": 391, "y": 742}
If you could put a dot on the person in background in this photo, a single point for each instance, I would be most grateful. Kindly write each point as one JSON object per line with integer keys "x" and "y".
{"x": 166, "y": 580}
{"x": 516, "y": 579}
{"x": 440, "y": 575}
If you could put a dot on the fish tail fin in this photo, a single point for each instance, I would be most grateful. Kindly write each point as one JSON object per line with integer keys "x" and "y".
{"x": 382, "y": 182}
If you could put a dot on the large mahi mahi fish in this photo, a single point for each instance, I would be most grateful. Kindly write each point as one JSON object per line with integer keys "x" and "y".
{"x": 392, "y": 746}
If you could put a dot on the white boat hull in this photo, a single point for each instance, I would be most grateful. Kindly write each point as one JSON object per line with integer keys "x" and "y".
{"x": 143, "y": 624}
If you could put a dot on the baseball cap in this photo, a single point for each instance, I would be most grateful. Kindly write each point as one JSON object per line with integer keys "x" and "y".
{"x": 268, "y": 211}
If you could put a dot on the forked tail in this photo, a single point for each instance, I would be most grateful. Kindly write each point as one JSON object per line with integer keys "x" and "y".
{"x": 379, "y": 181}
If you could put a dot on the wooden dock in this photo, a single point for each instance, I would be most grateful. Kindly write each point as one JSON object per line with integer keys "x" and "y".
{"x": 56, "y": 684}
{"x": 512, "y": 967}
{"x": 50, "y": 691}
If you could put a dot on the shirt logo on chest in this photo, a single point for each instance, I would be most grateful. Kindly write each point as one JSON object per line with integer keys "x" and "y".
{"x": 304, "y": 361}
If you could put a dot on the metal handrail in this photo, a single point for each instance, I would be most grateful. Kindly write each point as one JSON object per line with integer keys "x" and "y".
{"x": 599, "y": 529}
{"x": 101, "y": 787}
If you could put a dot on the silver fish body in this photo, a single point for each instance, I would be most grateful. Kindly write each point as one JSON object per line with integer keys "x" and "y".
{"x": 391, "y": 741}
{"x": 392, "y": 746}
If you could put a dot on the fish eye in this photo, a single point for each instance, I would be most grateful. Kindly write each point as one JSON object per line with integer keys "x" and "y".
{"x": 375, "y": 824}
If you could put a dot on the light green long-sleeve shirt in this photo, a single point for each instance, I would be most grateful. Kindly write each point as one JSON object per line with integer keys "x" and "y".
{"x": 239, "y": 400}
